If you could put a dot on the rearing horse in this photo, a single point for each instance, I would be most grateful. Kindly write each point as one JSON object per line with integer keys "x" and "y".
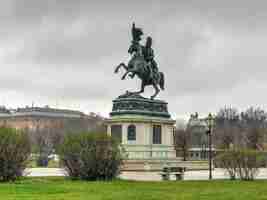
{"x": 138, "y": 66}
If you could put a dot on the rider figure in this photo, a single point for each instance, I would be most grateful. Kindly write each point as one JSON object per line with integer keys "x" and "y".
{"x": 136, "y": 35}
{"x": 149, "y": 57}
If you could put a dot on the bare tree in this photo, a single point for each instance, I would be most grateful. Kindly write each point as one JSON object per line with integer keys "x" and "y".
{"x": 43, "y": 144}
{"x": 182, "y": 139}
{"x": 227, "y": 128}
{"x": 254, "y": 127}
{"x": 182, "y": 142}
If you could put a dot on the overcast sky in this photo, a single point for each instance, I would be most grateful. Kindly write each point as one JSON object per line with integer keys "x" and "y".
{"x": 63, "y": 52}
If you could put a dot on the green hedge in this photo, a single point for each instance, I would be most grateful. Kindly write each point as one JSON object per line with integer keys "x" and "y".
{"x": 91, "y": 156}
{"x": 15, "y": 150}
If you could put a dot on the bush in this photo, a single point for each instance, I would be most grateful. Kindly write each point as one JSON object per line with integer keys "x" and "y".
{"x": 240, "y": 163}
{"x": 91, "y": 156}
{"x": 15, "y": 150}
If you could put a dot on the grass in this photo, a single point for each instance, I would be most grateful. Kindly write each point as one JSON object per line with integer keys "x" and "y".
{"x": 62, "y": 189}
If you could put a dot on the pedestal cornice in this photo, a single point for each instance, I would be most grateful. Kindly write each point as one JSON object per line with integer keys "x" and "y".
{"x": 138, "y": 105}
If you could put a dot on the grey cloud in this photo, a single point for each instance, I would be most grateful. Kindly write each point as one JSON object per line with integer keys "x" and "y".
{"x": 70, "y": 48}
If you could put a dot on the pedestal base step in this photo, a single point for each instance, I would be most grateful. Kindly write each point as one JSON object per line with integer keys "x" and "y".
{"x": 157, "y": 165}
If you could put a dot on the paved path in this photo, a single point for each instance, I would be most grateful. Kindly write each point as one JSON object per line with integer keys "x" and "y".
{"x": 143, "y": 176}
{"x": 189, "y": 175}
{"x": 45, "y": 172}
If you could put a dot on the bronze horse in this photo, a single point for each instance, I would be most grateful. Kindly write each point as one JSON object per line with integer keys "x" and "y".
{"x": 138, "y": 66}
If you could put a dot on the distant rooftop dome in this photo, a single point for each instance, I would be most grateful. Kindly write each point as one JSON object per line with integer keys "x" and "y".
{"x": 197, "y": 122}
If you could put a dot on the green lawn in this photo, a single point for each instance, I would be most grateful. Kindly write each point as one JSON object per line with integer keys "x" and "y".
{"x": 60, "y": 189}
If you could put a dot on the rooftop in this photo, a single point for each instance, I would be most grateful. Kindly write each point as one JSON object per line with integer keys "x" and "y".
{"x": 40, "y": 111}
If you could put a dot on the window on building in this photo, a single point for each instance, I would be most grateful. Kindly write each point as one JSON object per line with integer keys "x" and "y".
{"x": 156, "y": 134}
{"x": 131, "y": 135}
{"x": 116, "y": 132}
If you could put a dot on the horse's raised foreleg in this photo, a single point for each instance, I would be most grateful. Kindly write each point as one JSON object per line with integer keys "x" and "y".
{"x": 132, "y": 75}
{"x": 156, "y": 91}
{"x": 124, "y": 75}
{"x": 127, "y": 72}
{"x": 119, "y": 66}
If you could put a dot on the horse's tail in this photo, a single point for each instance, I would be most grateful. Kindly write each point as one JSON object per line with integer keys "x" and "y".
{"x": 161, "y": 80}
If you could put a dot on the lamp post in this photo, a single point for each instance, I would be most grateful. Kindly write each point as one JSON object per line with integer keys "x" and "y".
{"x": 210, "y": 121}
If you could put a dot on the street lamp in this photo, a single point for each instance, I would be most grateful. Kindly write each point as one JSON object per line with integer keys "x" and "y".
{"x": 210, "y": 121}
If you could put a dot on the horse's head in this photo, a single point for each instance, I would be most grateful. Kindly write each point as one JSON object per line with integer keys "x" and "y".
{"x": 132, "y": 48}
{"x": 137, "y": 62}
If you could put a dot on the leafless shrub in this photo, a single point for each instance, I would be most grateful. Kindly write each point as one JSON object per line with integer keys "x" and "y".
{"x": 240, "y": 163}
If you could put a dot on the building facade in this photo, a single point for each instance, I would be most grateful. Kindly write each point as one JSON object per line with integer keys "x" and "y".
{"x": 36, "y": 118}
{"x": 199, "y": 149}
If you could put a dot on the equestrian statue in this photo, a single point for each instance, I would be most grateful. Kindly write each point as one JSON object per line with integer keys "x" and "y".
{"x": 142, "y": 63}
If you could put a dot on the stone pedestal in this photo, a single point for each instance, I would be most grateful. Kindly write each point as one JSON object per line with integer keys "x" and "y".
{"x": 145, "y": 129}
